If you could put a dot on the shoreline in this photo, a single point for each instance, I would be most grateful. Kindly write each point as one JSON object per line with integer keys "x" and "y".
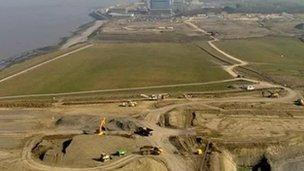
{"x": 81, "y": 35}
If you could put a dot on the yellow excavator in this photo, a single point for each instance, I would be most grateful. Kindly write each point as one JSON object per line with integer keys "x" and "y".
{"x": 101, "y": 126}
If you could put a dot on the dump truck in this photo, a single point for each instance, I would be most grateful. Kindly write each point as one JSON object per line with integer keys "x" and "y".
{"x": 150, "y": 150}
{"x": 143, "y": 131}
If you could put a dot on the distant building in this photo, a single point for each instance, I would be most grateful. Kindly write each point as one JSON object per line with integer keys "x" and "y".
{"x": 160, "y": 4}
{"x": 178, "y": 6}
{"x": 120, "y": 10}
{"x": 160, "y": 7}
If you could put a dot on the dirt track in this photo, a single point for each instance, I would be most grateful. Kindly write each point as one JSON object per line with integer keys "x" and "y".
{"x": 240, "y": 63}
{"x": 43, "y": 63}
{"x": 82, "y": 37}
{"x": 121, "y": 89}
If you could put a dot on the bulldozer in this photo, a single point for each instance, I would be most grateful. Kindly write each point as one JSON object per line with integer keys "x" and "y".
{"x": 150, "y": 150}
{"x": 101, "y": 129}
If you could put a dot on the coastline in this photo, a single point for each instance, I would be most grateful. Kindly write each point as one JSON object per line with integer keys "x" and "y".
{"x": 81, "y": 35}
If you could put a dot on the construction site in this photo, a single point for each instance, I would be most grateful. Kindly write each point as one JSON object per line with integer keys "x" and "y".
{"x": 159, "y": 95}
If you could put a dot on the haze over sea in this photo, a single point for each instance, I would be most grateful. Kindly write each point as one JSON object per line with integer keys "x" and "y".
{"x": 30, "y": 24}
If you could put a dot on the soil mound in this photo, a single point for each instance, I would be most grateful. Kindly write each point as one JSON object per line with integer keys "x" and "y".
{"x": 87, "y": 122}
{"x": 121, "y": 124}
{"x": 90, "y": 123}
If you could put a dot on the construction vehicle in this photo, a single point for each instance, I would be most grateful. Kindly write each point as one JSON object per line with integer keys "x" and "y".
{"x": 101, "y": 129}
{"x": 120, "y": 152}
{"x": 162, "y": 96}
{"x": 155, "y": 96}
{"x": 143, "y": 131}
{"x": 300, "y": 102}
{"x": 151, "y": 97}
{"x": 270, "y": 94}
{"x": 187, "y": 96}
{"x": 128, "y": 103}
{"x": 150, "y": 150}
{"x": 240, "y": 76}
{"x": 104, "y": 157}
{"x": 144, "y": 96}
{"x": 199, "y": 151}
{"x": 250, "y": 87}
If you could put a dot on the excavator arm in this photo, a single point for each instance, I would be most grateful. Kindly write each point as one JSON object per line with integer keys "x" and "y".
{"x": 101, "y": 126}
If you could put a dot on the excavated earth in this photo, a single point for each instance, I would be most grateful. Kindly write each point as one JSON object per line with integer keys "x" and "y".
{"x": 82, "y": 151}
{"x": 245, "y": 135}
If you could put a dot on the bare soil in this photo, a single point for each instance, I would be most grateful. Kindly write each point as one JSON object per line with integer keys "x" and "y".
{"x": 84, "y": 150}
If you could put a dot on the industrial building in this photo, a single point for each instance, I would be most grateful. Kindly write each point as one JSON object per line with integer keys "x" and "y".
{"x": 160, "y": 7}
{"x": 178, "y": 6}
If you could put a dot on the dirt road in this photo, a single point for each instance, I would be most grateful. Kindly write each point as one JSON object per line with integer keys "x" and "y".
{"x": 79, "y": 38}
{"x": 83, "y": 36}
{"x": 230, "y": 69}
{"x": 161, "y": 135}
{"x": 291, "y": 94}
{"x": 123, "y": 89}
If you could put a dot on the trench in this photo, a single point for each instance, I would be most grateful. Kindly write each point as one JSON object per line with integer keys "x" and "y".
{"x": 262, "y": 165}
{"x": 65, "y": 145}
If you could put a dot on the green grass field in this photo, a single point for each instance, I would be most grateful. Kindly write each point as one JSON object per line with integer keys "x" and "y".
{"x": 120, "y": 65}
{"x": 17, "y": 67}
{"x": 278, "y": 57}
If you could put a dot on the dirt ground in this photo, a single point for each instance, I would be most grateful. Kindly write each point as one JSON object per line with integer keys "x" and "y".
{"x": 165, "y": 30}
{"x": 84, "y": 151}
{"x": 248, "y": 131}
{"x": 238, "y": 129}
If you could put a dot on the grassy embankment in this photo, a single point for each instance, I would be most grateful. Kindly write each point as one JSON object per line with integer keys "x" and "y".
{"x": 20, "y": 66}
{"x": 280, "y": 58}
{"x": 121, "y": 65}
